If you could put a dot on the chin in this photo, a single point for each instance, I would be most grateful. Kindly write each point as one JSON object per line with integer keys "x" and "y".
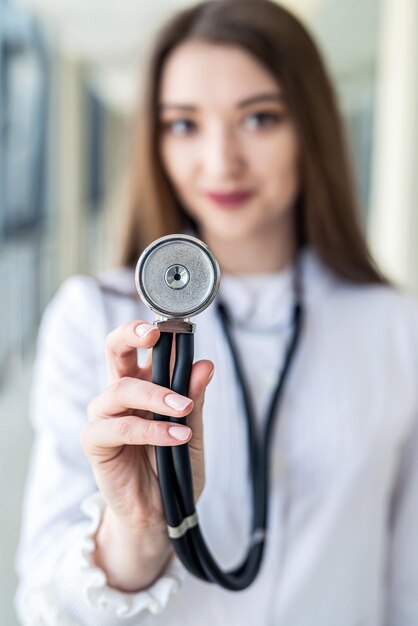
{"x": 233, "y": 231}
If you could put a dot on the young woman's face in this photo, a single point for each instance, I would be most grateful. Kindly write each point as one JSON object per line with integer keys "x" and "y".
{"x": 226, "y": 129}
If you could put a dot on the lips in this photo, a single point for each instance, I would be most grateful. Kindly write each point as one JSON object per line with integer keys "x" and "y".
{"x": 229, "y": 199}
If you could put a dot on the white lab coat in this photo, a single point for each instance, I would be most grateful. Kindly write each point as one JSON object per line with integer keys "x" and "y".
{"x": 341, "y": 548}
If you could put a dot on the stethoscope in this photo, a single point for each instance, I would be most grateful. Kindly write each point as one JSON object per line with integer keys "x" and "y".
{"x": 178, "y": 277}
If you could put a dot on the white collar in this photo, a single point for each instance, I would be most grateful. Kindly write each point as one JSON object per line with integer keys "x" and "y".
{"x": 265, "y": 300}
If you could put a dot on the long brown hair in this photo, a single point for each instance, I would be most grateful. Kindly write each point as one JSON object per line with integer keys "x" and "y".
{"x": 327, "y": 214}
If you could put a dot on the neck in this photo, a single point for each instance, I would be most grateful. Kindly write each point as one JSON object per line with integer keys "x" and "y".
{"x": 270, "y": 251}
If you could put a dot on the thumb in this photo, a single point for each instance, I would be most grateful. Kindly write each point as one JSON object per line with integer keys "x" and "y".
{"x": 201, "y": 375}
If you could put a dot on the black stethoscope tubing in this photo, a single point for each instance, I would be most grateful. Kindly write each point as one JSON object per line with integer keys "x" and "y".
{"x": 174, "y": 467}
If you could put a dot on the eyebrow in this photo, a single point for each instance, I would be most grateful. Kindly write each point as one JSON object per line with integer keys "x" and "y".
{"x": 261, "y": 97}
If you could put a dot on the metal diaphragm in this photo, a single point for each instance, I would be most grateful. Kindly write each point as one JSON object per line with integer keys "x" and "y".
{"x": 177, "y": 276}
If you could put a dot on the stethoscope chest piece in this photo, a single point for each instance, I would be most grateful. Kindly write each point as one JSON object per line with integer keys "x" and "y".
{"x": 177, "y": 276}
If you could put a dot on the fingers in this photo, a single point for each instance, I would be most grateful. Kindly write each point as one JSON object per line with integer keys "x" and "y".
{"x": 131, "y": 393}
{"x": 122, "y": 344}
{"x": 100, "y": 436}
{"x": 103, "y": 439}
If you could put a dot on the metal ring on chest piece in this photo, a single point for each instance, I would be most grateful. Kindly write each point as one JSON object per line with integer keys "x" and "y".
{"x": 177, "y": 276}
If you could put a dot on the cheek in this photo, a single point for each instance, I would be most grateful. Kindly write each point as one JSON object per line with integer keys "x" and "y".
{"x": 178, "y": 161}
{"x": 276, "y": 159}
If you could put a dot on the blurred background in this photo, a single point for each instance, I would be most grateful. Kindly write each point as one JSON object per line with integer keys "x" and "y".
{"x": 68, "y": 85}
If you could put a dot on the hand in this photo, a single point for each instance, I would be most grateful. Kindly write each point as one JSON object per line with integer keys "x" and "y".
{"x": 120, "y": 435}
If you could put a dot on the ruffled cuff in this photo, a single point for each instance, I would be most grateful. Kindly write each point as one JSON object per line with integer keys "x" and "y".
{"x": 82, "y": 588}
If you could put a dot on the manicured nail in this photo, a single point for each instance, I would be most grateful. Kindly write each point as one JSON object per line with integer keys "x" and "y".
{"x": 144, "y": 329}
{"x": 179, "y": 432}
{"x": 174, "y": 401}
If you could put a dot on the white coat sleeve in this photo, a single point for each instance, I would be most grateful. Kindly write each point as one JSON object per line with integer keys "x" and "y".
{"x": 402, "y": 563}
{"x": 62, "y": 508}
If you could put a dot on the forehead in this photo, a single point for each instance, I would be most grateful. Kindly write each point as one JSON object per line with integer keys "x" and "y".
{"x": 204, "y": 73}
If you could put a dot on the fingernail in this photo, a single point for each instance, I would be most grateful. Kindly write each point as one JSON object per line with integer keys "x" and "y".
{"x": 177, "y": 402}
{"x": 179, "y": 432}
{"x": 144, "y": 329}
{"x": 211, "y": 376}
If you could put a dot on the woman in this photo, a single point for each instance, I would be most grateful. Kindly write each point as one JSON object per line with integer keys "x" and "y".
{"x": 238, "y": 141}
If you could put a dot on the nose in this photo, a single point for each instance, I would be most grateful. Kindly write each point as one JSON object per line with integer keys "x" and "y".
{"x": 222, "y": 154}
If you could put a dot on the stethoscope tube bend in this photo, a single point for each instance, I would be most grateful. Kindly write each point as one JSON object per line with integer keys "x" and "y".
{"x": 176, "y": 482}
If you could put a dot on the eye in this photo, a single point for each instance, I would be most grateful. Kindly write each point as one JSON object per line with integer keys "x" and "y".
{"x": 261, "y": 119}
{"x": 180, "y": 127}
